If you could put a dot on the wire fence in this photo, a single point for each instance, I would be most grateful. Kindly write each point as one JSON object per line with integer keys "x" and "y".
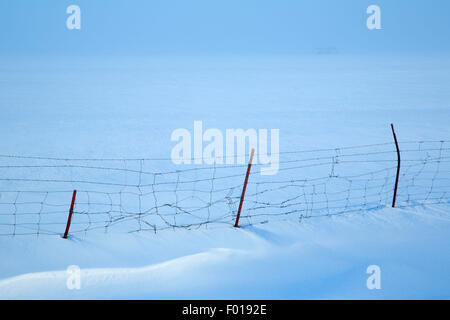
{"x": 129, "y": 195}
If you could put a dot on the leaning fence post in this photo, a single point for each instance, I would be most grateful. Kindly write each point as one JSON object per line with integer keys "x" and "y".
{"x": 69, "y": 219}
{"x": 398, "y": 166}
{"x": 236, "y": 225}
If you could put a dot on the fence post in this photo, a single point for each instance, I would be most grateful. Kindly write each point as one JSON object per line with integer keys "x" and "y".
{"x": 398, "y": 166}
{"x": 236, "y": 225}
{"x": 69, "y": 219}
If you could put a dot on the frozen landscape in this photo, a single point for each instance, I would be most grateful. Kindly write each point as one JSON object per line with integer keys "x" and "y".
{"x": 103, "y": 126}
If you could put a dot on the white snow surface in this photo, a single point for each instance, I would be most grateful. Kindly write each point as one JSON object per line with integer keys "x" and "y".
{"x": 324, "y": 258}
{"x": 127, "y": 107}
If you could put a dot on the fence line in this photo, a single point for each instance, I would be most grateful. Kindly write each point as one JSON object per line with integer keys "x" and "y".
{"x": 132, "y": 195}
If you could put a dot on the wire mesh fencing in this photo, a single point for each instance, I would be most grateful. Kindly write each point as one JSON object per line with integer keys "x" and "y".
{"x": 130, "y": 195}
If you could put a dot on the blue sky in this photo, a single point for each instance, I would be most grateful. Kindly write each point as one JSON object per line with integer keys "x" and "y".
{"x": 231, "y": 26}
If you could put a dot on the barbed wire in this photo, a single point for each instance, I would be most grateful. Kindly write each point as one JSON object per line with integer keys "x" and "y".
{"x": 134, "y": 195}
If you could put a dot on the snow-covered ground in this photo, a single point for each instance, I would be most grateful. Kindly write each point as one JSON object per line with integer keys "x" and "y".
{"x": 128, "y": 107}
{"x": 325, "y": 258}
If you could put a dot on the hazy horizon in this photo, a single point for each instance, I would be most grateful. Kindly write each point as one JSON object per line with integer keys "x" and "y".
{"x": 204, "y": 27}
